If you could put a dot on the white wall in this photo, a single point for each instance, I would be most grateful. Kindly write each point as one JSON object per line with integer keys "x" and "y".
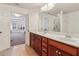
{"x": 65, "y": 23}
{"x": 4, "y": 28}
{"x": 34, "y": 20}
{"x": 5, "y": 14}
{"x": 71, "y": 22}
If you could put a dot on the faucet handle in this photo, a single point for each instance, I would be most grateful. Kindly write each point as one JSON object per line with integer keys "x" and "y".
{"x": 68, "y": 36}
{"x": 45, "y": 29}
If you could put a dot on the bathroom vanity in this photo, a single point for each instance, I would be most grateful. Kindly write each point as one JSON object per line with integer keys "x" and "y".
{"x": 48, "y": 44}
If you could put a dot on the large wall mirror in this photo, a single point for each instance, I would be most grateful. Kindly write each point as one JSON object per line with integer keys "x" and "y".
{"x": 63, "y": 17}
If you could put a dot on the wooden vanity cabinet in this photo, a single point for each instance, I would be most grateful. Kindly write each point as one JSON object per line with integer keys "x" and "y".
{"x": 35, "y": 43}
{"x": 57, "y": 48}
{"x": 38, "y": 44}
{"x": 62, "y": 53}
{"x": 32, "y": 40}
{"x": 52, "y": 51}
{"x": 44, "y": 46}
{"x": 49, "y": 47}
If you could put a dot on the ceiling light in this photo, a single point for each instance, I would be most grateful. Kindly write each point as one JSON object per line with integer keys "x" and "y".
{"x": 50, "y": 6}
{"x": 44, "y": 8}
{"x": 16, "y": 15}
{"x": 47, "y": 7}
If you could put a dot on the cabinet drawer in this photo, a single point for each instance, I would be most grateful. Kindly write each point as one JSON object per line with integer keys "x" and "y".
{"x": 44, "y": 40}
{"x": 44, "y": 49}
{"x": 64, "y": 47}
{"x": 44, "y": 54}
{"x": 44, "y": 44}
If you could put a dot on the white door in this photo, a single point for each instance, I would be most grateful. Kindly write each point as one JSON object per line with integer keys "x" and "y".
{"x": 5, "y": 30}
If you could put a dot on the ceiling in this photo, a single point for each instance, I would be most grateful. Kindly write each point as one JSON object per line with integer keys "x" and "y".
{"x": 65, "y": 7}
{"x": 27, "y": 5}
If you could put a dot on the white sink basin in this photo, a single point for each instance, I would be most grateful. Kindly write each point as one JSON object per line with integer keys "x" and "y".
{"x": 64, "y": 38}
{"x": 55, "y": 35}
{"x": 69, "y": 39}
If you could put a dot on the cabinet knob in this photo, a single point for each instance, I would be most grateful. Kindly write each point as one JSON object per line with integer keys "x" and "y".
{"x": 57, "y": 51}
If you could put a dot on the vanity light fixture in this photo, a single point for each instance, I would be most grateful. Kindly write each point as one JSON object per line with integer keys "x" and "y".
{"x": 48, "y": 6}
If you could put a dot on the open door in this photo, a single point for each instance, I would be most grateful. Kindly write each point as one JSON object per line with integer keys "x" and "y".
{"x": 4, "y": 30}
{"x": 18, "y": 29}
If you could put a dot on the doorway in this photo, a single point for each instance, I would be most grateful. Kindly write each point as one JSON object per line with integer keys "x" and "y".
{"x": 18, "y": 29}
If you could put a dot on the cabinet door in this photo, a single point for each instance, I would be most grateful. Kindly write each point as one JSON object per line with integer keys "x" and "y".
{"x": 38, "y": 44}
{"x": 35, "y": 44}
{"x": 32, "y": 40}
{"x": 52, "y": 51}
{"x": 61, "y": 53}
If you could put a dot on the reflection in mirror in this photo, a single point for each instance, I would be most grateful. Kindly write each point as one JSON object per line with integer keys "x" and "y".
{"x": 64, "y": 18}
{"x": 50, "y": 22}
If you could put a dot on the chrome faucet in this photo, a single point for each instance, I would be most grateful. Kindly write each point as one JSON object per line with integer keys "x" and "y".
{"x": 45, "y": 30}
{"x": 68, "y": 36}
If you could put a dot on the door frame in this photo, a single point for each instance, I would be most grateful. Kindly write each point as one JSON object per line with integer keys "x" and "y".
{"x": 26, "y": 19}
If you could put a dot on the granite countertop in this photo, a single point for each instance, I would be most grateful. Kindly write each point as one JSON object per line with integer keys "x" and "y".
{"x": 61, "y": 38}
